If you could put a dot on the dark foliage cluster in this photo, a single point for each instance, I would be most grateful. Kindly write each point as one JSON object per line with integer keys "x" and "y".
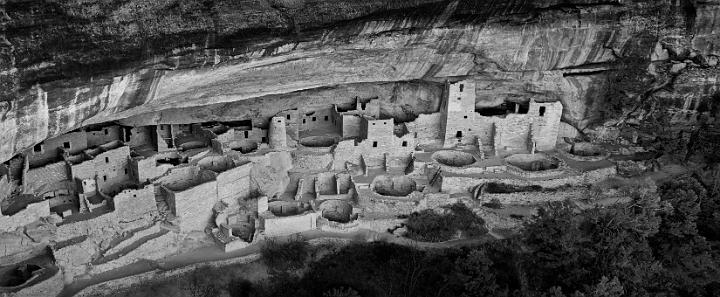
{"x": 428, "y": 225}
{"x": 664, "y": 245}
{"x": 283, "y": 256}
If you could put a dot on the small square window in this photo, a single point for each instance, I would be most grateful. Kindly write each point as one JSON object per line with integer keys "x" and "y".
{"x": 37, "y": 148}
{"x": 279, "y": 121}
{"x": 384, "y": 123}
{"x": 374, "y": 143}
{"x": 459, "y": 98}
{"x": 542, "y": 110}
{"x": 404, "y": 143}
{"x": 66, "y": 144}
{"x": 287, "y": 117}
{"x": 314, "y": 119}
{"x": 326, "y": 118}
{"x": 464, "y": 117}
{"x": 373, "y": 124}
{"x": 263, "y": 139}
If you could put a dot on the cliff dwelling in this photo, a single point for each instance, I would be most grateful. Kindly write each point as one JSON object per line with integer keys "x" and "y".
{"x": 143, "y": 141}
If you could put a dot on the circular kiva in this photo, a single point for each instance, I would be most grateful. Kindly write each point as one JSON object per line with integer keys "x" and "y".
{"x": 317, "y": 141}
{"x": 454, "y": 158}
{"x": 533, "y": 162}
{"x": 336, "y": 210}
{"x": 397, "y": 186}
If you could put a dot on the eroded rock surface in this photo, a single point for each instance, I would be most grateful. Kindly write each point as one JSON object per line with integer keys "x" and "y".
{"x": 69, "y": 64}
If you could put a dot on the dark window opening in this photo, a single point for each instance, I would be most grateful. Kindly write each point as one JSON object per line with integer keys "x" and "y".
{"x": 374, "y": 143}
{"x": 263, "y": 139}
{"x": 373, "y": 124}
{"x": 107, "y": 160}
{"x": 314, "y": 119}
{"x": 326, "y": 118}
{"x": 104, "y": 177}
{"x": 459, "y": 98}
{"x": 542, "y": 110}
{"x": 464, "y": 117}
{"x": 462, "y": 87}
{"x": 287, "y": 117}
{"x": 66, "y": 144}
{"x": 125, "y": 171}
{"x": 106, "y": 131}
{"x": 363, "y": 105}
{"x": 162, "y": 127}
{"x": 458, "y": 134}
{"x": 404, "y": 143}
{"x": 303, "y": 121}
{"x": 37, "y": 148}
{"x": 246, "y": 134}
{"x": 279, "y": 121}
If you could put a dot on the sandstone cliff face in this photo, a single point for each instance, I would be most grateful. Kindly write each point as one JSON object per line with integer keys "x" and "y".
{"x": 251, "y": 59}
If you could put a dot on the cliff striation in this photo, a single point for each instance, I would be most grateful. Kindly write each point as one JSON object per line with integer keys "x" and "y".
{"x": 65, "y": 64}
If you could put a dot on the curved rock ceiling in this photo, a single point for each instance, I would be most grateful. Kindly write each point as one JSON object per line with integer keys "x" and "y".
{"x": 67, "y": 64}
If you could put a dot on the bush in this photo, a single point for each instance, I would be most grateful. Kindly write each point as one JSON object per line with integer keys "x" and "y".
{"x": 428, "y": 225}
{"x": 285, "y": 255}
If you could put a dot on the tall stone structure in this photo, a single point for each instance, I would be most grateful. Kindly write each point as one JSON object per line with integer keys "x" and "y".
{"x": 277, "y": 134}
{"x": 458, "y": 113}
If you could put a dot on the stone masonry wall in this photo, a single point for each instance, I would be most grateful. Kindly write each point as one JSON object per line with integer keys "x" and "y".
{"x": 104, "y": 135}
{"x": 427, "y": 127}
{"x": 49, "y": 150}
{"x": 194, "y": 206}
{"x": 111, "y": 169}
{"x": 26, "y": 216}
{"x": 42, "y": 179}
{"x": 278, "y": 226}
{"x": 234, "y": 184}
{"x": 131, "y": 204}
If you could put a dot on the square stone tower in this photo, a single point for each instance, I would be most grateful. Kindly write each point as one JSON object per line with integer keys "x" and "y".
{"x": 458, "y": 113}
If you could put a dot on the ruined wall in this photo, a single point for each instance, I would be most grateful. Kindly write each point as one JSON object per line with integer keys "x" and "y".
{"x": 234, "y": 184}
{"x": 185, "y": 177}
{"x": 147, "y": 169}
{"x": 512, "y": 133}
{"x": 141, "y": 136}
{"x": 245, "y": 139}
{"x": 26, "y": 216}
{"x": 194, "y": 206}
{"x": 111, "y": 169}
{"x": 350, "y": 126}
{"x": 316, "y": 119}
{"x": 279, "y": 226}
{"x": 47, "y": 178}
{"x": 427, "y": 127}
{"x": 134, "y": 204}
{"x": 103, "y": 136}
{"x": 49, "y": 150}
{"x": 546, "y": 124}
{"x": 345, "y": 152}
